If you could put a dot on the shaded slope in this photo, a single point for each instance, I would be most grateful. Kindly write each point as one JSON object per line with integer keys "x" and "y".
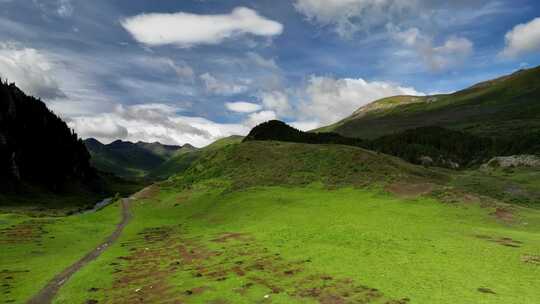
{"x": 37, "y": 149}
{"x": 503, "y": 108}
{"x": 130, "y": 160}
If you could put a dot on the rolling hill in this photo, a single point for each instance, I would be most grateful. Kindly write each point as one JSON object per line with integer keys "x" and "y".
{"x": 505, "y": 107}
{"x": 284, "y": 222}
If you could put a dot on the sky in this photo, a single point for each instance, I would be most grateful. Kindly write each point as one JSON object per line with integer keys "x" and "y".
{"x": 193, "y": 71}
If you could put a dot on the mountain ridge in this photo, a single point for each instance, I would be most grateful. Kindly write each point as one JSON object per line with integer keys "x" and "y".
{"x": 501, "y": 107}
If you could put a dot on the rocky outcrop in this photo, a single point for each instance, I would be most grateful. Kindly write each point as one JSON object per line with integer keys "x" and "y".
{"x": 530, "y": 161}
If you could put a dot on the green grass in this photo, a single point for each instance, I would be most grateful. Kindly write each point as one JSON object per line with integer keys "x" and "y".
{"x": 500, "y": 108}
{"x": 262, "y": 222}
{"x": 419, "y": 249}
{"x": 183, "y": 160}
{"x": 518, "y": 186}
{"x": 34, "y": 250}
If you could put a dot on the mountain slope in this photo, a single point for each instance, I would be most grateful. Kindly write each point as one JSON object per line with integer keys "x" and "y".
{"x": 502, "y": 108}
{"x": 37, "y": 149}
{"x": 272, "y": 163}
{"x": 187, "y": 156}
{"x": 131, "y": 160}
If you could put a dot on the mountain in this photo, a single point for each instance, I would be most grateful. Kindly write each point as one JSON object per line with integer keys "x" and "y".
{"x": 131, "y": 160}
{"x": 39, "y": 153}
{"x": 499, "y": 108}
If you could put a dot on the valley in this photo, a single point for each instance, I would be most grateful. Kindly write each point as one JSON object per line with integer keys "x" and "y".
{"x": 270, "y": 152}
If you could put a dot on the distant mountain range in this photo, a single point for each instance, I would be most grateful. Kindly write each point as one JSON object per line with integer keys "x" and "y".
{"x": 132, "y": 160}
{"x": 499, "y": 108}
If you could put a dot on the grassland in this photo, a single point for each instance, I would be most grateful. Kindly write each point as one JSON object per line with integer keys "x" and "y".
{"x": 273, "y": 222}
{"x": 310, "y": 244}
{"x": 35, "y": 249}
{"x": 498, "y": 108}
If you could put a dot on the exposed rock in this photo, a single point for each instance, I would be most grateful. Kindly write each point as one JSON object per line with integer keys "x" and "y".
{"x": 426, "y": 161}
{"x": 531, "y": 161}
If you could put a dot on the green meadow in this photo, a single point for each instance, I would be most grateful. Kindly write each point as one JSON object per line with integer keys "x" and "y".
{"x": 309, "y": 245}
{"x": 35, "y": 249}
{"x": 272, "y": 222}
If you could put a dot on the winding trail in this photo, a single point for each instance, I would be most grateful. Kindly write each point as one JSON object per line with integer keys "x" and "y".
{"x": 48, "y": 292}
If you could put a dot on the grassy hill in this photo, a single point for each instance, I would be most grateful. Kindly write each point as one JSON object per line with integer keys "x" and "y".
{"x": 185, "y": 157}
{"x": 131, "y": 160}
{"x": 504, "y": 107}
{"x": 305, "y": 223}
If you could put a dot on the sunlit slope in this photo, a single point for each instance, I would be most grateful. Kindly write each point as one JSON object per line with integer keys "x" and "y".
{"x": 502, "y": 107}
{"x": 185, "y": 157}
{"x": 270, "y": 163}
{"x": 272, "y": 222}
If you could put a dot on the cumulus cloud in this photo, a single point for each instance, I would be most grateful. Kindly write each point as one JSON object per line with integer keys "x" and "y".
{"x": 152, "y": 122}
{"x": 276, "y": 101}
{"x": 187, "y": 29}
{"x": 259, "y": 117}
{"x": 30, "y": 69}
{"x": 328, "y": 100}
{"x": 243, "y": 107}
{"x": 452, "y": 52}
{"x": 220, "y": 87}
{"x": 522, "y": 39}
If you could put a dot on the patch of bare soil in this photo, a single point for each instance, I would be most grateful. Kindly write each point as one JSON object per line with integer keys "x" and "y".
{"x": 408, "y": 190}
{"x": 504, "y": 214}
{"x": 486, "y": 290}
{"x": 504, "y": 241}
{"x": 531, "y": 259}
{"x": 27, "y": 232}
{"x": 159, "y": 254}
{"x": 147, "y": 193}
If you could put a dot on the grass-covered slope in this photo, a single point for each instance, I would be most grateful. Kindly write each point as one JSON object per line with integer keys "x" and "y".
{"x": 503, "y": 107}
{"x": 273, "y": 222}
{"x": 185, "y": 157}
{"x": 268, "y": 163}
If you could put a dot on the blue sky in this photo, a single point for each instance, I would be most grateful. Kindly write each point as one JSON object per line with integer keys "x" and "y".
{"x": 193, "y": 71}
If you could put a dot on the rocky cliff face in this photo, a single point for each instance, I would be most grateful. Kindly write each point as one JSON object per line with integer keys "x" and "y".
{"x": 36, "y": 147}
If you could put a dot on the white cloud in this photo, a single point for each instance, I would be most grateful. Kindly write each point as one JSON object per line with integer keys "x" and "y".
{"x": 30, "y": 69}
{"x": 328, "y": 100}
{"x": 187, "y": 30}
{"x": 152, "y": 122}
{"x": 305, "y": 125}
{"x": 220, "y": 87}
{"x": 243, "y": 107}
{"x": 276, "y": 101}
{"x": 522, "y": 39}
{"x": 259, "y": 117}
{"x": 451, "y": 53}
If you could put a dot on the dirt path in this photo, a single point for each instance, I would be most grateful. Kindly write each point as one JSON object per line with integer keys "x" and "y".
{"x": 48, "y": 292}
